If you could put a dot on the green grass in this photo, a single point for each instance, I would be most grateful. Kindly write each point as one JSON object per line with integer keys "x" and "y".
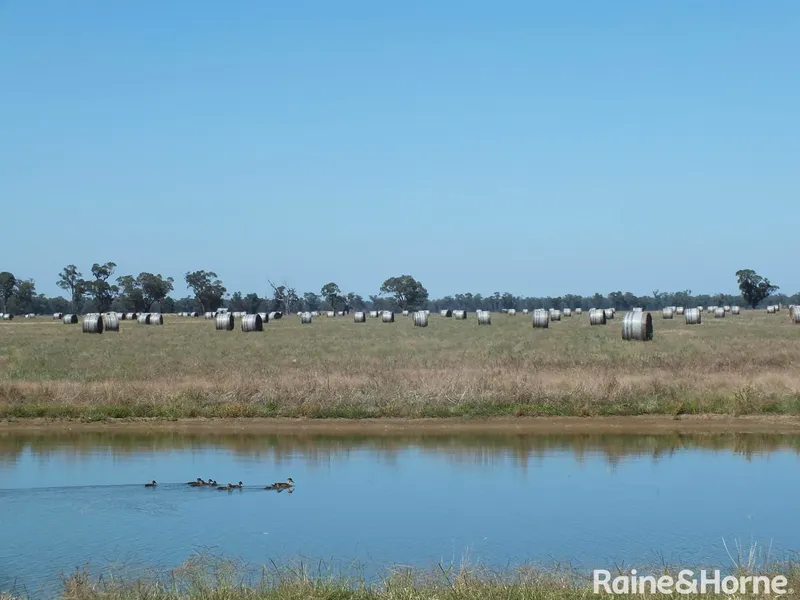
{"x": 223, "y": 580}
{"x": 334, "y": 368}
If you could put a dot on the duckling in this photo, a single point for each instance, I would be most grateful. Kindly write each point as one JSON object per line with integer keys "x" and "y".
{"x": 237, "y": 486}
{"x": 197, "y": 483}
{"x": 151, "y": 484}
{"x": 281, "y": 485}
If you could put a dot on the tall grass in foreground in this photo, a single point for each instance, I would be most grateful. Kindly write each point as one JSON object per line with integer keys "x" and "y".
{"x": 223, "y": 580}
{"x": 334, "y": 368}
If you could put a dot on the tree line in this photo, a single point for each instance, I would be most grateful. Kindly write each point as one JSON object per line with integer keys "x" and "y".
{"x": 100, "y": 291}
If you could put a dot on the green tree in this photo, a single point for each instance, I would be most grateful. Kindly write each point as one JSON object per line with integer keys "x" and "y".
{"x": 130, "y": 293}
{"x": 333, "y": 295}
{"x": 8, "y": 283}
{"x": 311, "y": 301}
{"x": 22, "y": 300}
{"x": 102, "y": 291}
{"x": 408, "y": 293}
{"x": 208, "y": 290}
{"x": 145, "y": 290}
{"x": 71, "y": 280}
{"x": 754, "y": 288}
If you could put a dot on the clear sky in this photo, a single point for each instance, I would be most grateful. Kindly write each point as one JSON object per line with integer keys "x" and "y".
{"x": 539, "y": 148}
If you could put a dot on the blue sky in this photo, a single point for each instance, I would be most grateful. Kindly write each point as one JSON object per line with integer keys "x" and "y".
{"x": 530, "y": 147}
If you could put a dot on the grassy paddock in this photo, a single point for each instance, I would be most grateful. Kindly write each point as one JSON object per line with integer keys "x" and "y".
{"x": 334, "y": 368}
{"x": 223, "y": 580}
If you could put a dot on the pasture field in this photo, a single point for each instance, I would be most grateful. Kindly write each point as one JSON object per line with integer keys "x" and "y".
{"x": 335, "y": 368}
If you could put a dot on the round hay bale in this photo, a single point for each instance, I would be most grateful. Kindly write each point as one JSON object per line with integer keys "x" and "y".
{"x": 679, "y": 310}
{"x": 58, "y": 316}
{"x": 274, "y": 315}
{"x": 387, "y": 316}
{"x": 446, "y": 313}
{"x": 421, "y": 318}
{"x": 359, "y": 317}
{"x": 693, "y": 316}
{"x": 555, "y": 315}
{"x": 340, "y": 313}
{"x": 567, "y": 312}
{"x": 735, "y": 310}
{"x": 700, "y": 308}
{"x": 305, "y": 318}
{"x": 8, "y": 317}
{"x": 405, "y": 313}
{"x": 719, "y": 312}
{"x": 208, "y": 315}
{"x": 156, "y": 319}
{"x": 578, "y": 312}
{"x": 223, "y": 322}
{"x": 69, "y": 319}
{"x": 541, "y": 318}
{"x": 315, "y": 313}
{"x": 667, "y": 312}
{"x": 111, "y": 322}
{"x": 92, "y": 324}
{"x": 609, "y": 313}
{"x": 511, "y": 312}
{"x": 460, "y": 315}
{"x": 330, "y": 313}
{"x": 794, "y": 314}
{"x": 264, "y": 318}
{"x": 636, "y": 309}
{"x": 727, "y": 308}
{"x": 251, "y": 323}
{"x": 484, "y": 317}
{"x": 374, "y": 314}
{"x": 770, "y": 310}
{"x": 637, "y": 326}
{"x": 143, "y": 319}
{"x": 525, "y": 311}
{"x": 597, "y": 317}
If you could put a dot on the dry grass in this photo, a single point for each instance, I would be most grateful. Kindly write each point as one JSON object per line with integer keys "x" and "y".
{"x": 334, "y": 368}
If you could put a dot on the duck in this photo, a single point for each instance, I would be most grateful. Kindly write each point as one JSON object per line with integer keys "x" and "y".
{"x": 237, "y": 486}
{"x": 225, "y": 487}
{"x": 197, "y": 483}
{"x": 281, "y": 485}
{"x": 151, "y": 484}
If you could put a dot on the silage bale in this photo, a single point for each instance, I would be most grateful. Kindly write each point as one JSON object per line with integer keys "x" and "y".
{"x": 305, "y": 318}
{"x": 693, "y": 316}
{"x": 525, "y": 311}
{"x": 359, "y": 317}
{"x": 208, "y": 315}
{"x": 770, "y": 310}
{"x": 340, "y": 313}
{"x": 555, "y": 315}
{"x": 387, "y": 316}
{"x": 446, "y": 313}
{"x": 111, "y": 322}
{"x": 421, "y": 318}
{"x": 679, "y": 310}
{"x": 405, "y": 313}
{"x": 8, "y": 317}
{"x": 252, "y": 323}
{"x": 374, "y": 314}
{"x": 735, "y": 310}
{"x": 667, "y": 312}
{"x": 58, "y": 316}
{"x": 315, "y": 313}
{"x": 794, "y": 314}
{"x": 143, "y": 319}
{"x": 484, "y": 317}
{"x": 541, "y": 318}
{"x": 597, "y": 317}
{"x": 637, "y": 309}
{"x": 92, "y": 324}
{"x": 567, "y": 312}
{"x": 275, "y": 314}
{"x": 637, "y": 326}
{"x": 264, "y": 318}
{"x": 156, "y": 319}
{"x": 511, "y": 312}
{"x": 727, "y": 308}
{"x": 578, "y": 312}
{"x": 69, "y": 319}
{"x": 460, "y": 315}
{"x": 609, "y": 313}
{"x": 223, "y": 322}
{"x": 700, "y": 309}
{"x": 719, "y": 312}
{"x": 330, "y": 313}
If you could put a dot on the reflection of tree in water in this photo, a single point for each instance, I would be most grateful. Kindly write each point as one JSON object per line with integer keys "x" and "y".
{"x": 320, "y": 449}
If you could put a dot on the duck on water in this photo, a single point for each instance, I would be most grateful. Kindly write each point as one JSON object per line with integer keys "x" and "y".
{"x": 281, "y": 485}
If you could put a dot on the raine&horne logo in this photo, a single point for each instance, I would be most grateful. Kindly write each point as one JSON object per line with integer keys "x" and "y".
{"x": 688, "y": 583}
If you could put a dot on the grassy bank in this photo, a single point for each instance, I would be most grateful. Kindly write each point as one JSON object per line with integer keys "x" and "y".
{"x": 333, "y": 368}
{"x": 224, "y": 583}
